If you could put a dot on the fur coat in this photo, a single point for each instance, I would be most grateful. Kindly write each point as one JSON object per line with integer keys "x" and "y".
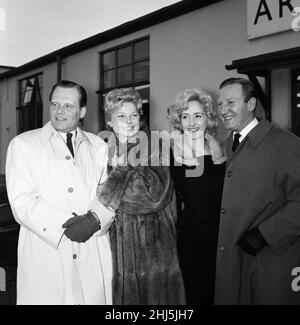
{"x": 143, "y": 237}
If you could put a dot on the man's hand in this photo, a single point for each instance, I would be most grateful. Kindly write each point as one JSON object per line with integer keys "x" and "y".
{"x": 253, "y": 242}
{"x": 81, "y": 228}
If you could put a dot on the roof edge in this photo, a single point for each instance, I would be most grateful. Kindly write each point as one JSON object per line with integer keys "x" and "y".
{"x": 6, "y": 67}
{"x": 159, "y": 16}
{"x": 267, "y": 60}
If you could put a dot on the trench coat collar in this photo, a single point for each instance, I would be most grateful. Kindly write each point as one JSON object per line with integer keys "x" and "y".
{"x": 48, "y": 131}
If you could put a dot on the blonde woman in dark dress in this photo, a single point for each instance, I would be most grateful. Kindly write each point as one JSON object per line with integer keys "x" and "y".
{"x": 198, "y": 172}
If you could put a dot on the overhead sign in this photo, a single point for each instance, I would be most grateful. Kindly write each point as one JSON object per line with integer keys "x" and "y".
{"x": 267, "y": 17}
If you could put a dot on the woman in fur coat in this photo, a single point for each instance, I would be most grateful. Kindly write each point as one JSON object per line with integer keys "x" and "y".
{"x": 143, "y": 236}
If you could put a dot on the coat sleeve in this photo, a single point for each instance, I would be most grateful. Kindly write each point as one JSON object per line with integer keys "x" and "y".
{"x": 30, "y": 209}
{"x": 282, "y": 229}
{"x": 177, "y": 186}
{"x": 106, "y": 215}
{"x": 138, "y": 190}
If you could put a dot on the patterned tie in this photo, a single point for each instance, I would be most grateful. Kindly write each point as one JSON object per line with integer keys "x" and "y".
{"x": 69, "y": 143}
{"x": 236, "y": 141}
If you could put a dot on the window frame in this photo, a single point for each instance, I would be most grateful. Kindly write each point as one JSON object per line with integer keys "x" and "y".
{"x": 134, "y": 84}
{"x": 295, "y": 73}
{"x": 116, "y": 66}
{"x": 22, "y": 109}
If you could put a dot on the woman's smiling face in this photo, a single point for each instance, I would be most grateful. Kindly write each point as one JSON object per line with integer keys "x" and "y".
{"x": 194, "y": 119}
{"x": 125, "y": 121}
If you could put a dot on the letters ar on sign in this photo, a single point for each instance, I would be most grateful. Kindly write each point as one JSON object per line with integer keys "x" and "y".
{"x": 266, "y": 17}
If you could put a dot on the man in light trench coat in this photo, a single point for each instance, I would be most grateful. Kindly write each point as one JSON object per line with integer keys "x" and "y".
{"x": 259, "y": 235}
{"x": 52, "y": 177}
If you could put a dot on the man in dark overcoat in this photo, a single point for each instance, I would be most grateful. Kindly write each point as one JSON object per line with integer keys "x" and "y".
{"x": 259, "y": 235}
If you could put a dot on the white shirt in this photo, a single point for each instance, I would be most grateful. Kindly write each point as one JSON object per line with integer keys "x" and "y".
{"x": 64, "y": 136}
{"x": 246, "y": 129}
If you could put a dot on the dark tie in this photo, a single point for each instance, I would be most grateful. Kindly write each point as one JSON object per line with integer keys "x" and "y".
{"x": 236, "y": 141}
{"x": 69, "y": 143}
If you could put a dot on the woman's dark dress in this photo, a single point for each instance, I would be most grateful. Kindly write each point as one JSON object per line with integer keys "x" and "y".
{"x": 198, "y": 224}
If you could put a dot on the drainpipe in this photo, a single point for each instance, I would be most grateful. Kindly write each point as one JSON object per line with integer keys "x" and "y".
{"x": 59, "y": 64}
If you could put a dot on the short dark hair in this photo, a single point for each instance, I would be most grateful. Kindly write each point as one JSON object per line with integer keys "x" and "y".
{"x": 71, "y": 84}
{"x": 248, "y": 88}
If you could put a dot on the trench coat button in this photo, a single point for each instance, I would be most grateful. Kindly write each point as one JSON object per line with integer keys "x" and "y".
{"x": 68, "y": 157}
{"x": 70, "y": 189}
{"x": 74, "y": 256}
{"x": 229, "y": 174}
{"x": 222, "y": 248}
{"x": 223, "y": 211}
{"x": 44, "y": 229}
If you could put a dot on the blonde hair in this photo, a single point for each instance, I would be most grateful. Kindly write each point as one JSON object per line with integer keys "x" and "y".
{"x": 181, "y": 104}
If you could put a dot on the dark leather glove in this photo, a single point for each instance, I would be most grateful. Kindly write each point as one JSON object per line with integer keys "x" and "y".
{"x": 81, "y": 228}
{"x": 253, "y": 242}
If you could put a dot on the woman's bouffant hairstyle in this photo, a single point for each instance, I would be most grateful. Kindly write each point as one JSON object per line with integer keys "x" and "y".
{"x": 117, "y": 97}
{"x": 181, "y": 104}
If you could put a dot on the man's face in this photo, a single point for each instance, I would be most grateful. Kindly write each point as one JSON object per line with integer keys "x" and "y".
{"x": 234, "y": 112}
{"x": 65, "y": 111}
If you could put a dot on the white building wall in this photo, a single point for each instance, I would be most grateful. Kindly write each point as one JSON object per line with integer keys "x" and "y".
{"x": 192, "y": 51}
{"x": 186, "y": 52}
{"x": 49, "y": 79}
{"x": 84, "y": 70}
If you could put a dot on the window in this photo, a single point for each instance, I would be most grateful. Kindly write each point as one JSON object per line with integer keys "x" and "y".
{"x": 30, "y": 109}
{"x": 126, "y": 66}
{"x": 296, "y": 101}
